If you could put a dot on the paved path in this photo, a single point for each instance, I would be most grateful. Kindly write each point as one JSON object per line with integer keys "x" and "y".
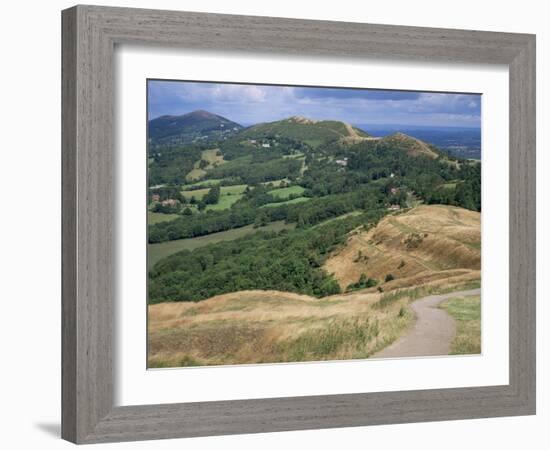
{"x": 433, "y": 331}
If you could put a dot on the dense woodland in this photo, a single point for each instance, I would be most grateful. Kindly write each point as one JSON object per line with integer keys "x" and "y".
{"x": 285, "y": 171}
{"x": 288, "y": 261}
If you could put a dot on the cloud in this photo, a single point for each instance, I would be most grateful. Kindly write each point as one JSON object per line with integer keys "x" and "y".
{"x": 365, "y": 94}
{"x": 248, "y": 103}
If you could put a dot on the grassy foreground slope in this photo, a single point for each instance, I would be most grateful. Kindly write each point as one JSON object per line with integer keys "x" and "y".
{"x": 426, "y": 243}
{"x": 270, "y": 326}
{"x": 260, "y": 326}
{"x": 252, "y": 327}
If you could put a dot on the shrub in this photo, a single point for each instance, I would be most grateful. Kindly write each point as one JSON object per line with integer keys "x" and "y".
{"x": 363, "y": 283}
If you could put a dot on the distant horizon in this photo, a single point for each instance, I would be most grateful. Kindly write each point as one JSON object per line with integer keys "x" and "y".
{"x": 363, "y": 126}
{"x": 250, "y": 104}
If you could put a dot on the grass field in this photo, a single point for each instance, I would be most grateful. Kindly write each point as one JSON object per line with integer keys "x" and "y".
{"x": 286, "y": 192}
{"x": 154, "y": 217}
{"x": 211, "y": 157}
{"x": 155, "y": 252}
{"x": 224, "y": 190}
{"x": 270, "y": 326}
{"x": 343, "y": 216}
{"x": 288, "y": 202}
{"x": 204, "y": 183}
{"x": 298, "y": 155}
{"x": 467, "y": 313}
{"x": 276, "y": 183}
{"x": 225, "y": 202}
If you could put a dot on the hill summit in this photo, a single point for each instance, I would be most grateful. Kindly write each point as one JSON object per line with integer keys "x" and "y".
{"x": 411, "y": 145}
{"x": 199, "y": 124}
{"x": 313, "y": 132}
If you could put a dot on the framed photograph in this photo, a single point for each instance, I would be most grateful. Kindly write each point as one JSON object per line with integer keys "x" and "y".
{"x": 277, "y": 224}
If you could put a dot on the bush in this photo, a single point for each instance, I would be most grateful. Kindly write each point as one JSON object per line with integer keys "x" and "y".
{"x": 389, "y": 277}
{"x": 363, "y": 283}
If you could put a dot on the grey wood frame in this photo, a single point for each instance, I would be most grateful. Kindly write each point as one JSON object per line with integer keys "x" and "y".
{"x": 89, "y": 37}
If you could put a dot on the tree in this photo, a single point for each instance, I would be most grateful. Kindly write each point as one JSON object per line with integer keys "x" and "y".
{"x": 213, "y": 196}
{"x": 187, "y": 212}
{"x": 262, "y": 219}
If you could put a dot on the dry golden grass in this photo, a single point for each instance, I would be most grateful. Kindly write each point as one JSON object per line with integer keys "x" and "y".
{"x": 268, "y": 326}
{"x": 413, "y": 146}
{"x": 428, "y": 249}
{"x": 420, "y": 245}
{"x": 251, "y": 327}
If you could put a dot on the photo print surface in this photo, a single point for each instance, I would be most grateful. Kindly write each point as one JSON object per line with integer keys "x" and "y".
{"x": 293, "y": 223}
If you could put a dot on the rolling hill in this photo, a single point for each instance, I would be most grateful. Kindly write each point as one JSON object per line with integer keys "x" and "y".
{"x": 429, "y": 249}
{"x": 313, "y": 132}
{"x": 196, "y": 125}
{"x": 271, "y": 326}
{"x": 426, "y": 243}
{"x": 412, "y": 146}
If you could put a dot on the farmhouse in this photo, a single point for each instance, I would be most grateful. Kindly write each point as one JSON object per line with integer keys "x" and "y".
{"x": 170, "y": 202}
{"x": 266, "y": 145}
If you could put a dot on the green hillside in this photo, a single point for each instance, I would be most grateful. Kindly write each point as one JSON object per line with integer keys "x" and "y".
{"x": 187, "y": 128}
{"x": 297, "y": 172}
{"x": 312, "y": 132}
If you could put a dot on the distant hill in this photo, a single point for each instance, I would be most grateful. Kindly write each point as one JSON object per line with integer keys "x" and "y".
{"x": 411, "y": 145}
{"x": 194, "y": 126}
{"x": 312, "y": 132}
{"x": 459, "y": 142}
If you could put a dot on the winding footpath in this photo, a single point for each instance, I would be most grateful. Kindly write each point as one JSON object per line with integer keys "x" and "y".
{"x": 433, "y": 331}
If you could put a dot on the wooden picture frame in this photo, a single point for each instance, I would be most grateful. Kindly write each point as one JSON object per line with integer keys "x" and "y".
{"x": 90, "y": 34}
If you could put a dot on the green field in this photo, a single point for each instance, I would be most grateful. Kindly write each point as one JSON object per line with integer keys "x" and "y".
{"x": 224, "y": 191}
{"x": 467, "y": 313}
{"x": 288, "y": 202}
{"x": 298, "y": 155}
{"x": 154, "y": 217}
{"x": 450, "y": 185}
{"x": 211, "y": 157}
{"x": 204, "y": 183}
{"x": 283, "y": 193}
{"x": 275, "y": 183}
{"x": 225, "y": 202}
{"x": 343, "y": 216}
{"x": 155, "y": 252}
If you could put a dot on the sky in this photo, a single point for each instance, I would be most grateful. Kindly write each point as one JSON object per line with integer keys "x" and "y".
{"x": 250, "y": 104}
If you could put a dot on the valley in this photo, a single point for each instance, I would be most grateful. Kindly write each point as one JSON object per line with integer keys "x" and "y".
{"x": 299, "y": 239}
